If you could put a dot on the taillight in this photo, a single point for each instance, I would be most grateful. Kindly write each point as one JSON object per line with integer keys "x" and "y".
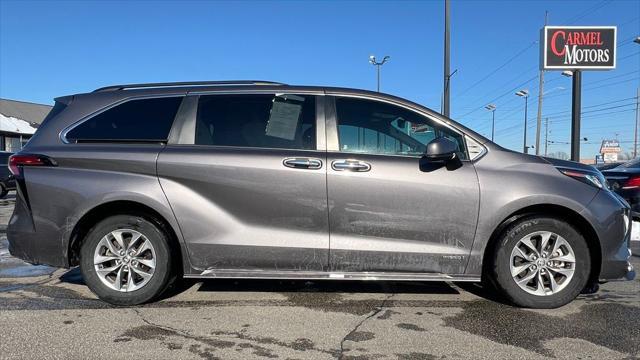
{"x": 632, "y": 183}
{"x": 17, "y": 161}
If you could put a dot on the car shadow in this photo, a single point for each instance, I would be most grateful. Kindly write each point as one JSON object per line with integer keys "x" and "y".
{"x": 73, "y": 276}
{"x": 326, "y": 286}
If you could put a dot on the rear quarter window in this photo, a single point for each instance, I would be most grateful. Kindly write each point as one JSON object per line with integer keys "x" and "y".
{"x": 134, "y": 120}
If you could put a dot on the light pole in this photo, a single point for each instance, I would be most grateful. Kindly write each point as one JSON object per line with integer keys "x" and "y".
{"x": 447, "y": 49}
{"x": 635, "y": 134}
{"x": 492, "y": 108}
{"x": 372, "y": 60}
{"x": 525, "y": 95}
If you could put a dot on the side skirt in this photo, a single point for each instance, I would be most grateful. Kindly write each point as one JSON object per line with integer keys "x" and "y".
{"x": 320, "y": 275}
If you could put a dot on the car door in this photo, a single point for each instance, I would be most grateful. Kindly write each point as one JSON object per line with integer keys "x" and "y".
{"x": 246, "y": 178}
{"x": 390, "y": 211}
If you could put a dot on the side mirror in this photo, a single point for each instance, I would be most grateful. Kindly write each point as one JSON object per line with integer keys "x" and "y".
{"x": 441, "y": 150}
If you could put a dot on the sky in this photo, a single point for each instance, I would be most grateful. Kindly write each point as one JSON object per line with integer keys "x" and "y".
{"x": 54, "y": 48}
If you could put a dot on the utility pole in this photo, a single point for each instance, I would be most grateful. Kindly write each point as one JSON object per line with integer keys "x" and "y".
{"x": 576, "y": 96}
{"x": 635, "y": 136}
{"x": 540, "y": 95}
{"x": 447, "y": 74}
{"x": 546, "y": 135}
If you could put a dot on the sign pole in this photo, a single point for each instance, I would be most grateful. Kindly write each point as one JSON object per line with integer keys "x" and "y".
{"x": 576, "y": 95}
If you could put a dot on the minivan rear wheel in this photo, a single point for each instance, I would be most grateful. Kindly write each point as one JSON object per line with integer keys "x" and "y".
{"x": 126, "y": 260}
{"x": 541, "y": 262}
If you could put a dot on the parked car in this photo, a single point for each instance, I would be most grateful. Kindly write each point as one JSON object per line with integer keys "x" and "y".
{"x": 607, "y": 166}
{"x": 140, "y": 184}
{"x": 7, "y": 181}
{"x": 625, "y": 180}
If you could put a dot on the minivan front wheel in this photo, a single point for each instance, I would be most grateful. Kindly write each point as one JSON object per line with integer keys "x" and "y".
{"x": 541, "y": 262}
{"x": 125, "y": 260}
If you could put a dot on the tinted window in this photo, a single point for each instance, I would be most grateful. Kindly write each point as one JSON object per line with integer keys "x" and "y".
{"x": 373, "y": 127}
{"x": 135, "y": 120}
{"x": 268, "y": 121}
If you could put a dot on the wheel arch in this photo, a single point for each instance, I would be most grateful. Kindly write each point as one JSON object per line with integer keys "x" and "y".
{"x": 556, "y": 211}
{"x": 121, "y": 207}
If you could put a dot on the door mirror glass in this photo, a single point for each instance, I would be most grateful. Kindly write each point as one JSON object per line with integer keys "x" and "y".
{"x": 441, "y": 149}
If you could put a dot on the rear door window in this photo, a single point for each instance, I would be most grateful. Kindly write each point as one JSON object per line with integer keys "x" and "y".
{"x": 282, "y": 121}
{"x": 134, "y": 120}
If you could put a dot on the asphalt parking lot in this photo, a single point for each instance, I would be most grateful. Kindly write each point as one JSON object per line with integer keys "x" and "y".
{"x": 49, "y": 313}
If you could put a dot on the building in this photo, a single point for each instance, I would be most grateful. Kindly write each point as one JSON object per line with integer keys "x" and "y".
{"x": 18, "y": 121}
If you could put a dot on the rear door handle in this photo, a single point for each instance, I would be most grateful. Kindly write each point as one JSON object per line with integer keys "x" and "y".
{"x": 350, "y": 165}
{"x": 302, "y": 163}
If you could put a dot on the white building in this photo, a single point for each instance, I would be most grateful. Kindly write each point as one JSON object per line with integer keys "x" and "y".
{"x": 18, "y": 121}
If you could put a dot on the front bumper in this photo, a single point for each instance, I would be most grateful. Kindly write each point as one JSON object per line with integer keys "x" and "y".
{"x": 611, "y": 217}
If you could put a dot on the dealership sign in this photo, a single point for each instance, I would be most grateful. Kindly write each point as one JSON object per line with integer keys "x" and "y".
{"x": 610, "y": 146}
{"x": 578, "y": 47}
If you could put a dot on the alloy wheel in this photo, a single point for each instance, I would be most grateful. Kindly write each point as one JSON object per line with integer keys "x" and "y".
{"x": 542, "y": 263}
{"x": 124, "y": 260}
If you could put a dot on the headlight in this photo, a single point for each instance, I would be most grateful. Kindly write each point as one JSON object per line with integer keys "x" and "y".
{"x": 625, "y": 218}
{"x": 585, "y": 177}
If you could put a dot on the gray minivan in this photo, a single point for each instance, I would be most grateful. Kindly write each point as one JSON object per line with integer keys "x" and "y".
{"x": 141, "y": 184}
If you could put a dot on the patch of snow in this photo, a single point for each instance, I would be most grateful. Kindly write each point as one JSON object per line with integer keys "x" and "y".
{"x": 15, "y": 125}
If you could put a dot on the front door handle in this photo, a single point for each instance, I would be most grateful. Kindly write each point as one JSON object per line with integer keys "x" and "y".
{"x": 350, "y": 165}
{"x": 302, "y": 163}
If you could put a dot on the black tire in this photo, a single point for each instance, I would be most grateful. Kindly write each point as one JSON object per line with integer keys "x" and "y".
{"x": 3, "y": 191}
{"x": 500, "y": 273}
{"x": 164, "y": 272}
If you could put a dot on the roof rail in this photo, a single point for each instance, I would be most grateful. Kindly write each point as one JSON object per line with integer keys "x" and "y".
{"x": 187, "y": 83}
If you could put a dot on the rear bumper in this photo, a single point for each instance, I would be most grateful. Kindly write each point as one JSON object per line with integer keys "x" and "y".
{"x": 35, "y": 247}
{"x": 29, "y": 248}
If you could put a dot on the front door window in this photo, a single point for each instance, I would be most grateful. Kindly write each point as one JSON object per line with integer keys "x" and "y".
{"x": 372, "y": 127}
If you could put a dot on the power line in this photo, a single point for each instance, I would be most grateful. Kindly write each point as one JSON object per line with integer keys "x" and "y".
{"x": 588, "y": 11}
{"x": 595, "y": 110}
{"x": 601, "y": 86}
{"x": 500, "y": 96}
{"x": 505, "y": 117}
{"x": 497, "y": 69}
{"x": 518, "y": 127}
{"x": 628, "y": 56}
{"x": 596, "y": 105}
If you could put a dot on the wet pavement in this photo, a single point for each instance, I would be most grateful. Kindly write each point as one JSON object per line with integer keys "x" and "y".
{"x": 49, "y": 313}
